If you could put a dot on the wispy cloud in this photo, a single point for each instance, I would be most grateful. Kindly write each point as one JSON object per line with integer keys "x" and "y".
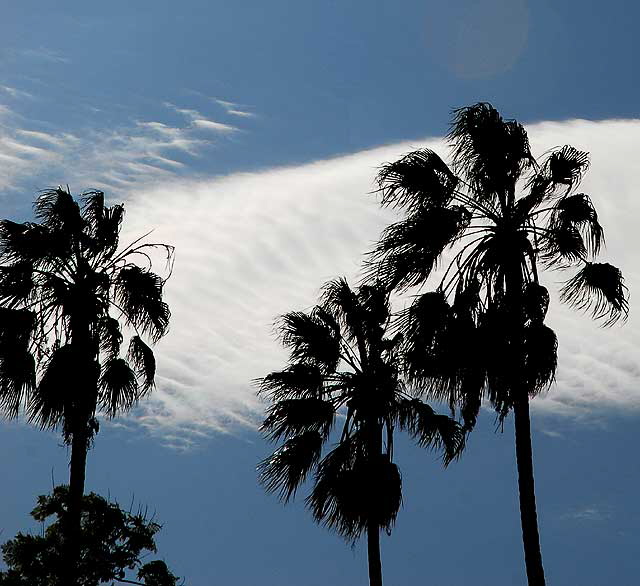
{"x": 16, "y": 93}
{"x": 252, "y": 246}
{"x": 234, "y": 109}
{"x": 591, "y": 513}
{"x": 115, "y": 159}
{"x": 197, "y": 120}
{"x": 42, "y": 54}
{"x": 215, "y": 126}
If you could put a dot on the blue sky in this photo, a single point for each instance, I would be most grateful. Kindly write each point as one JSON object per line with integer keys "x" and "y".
{"x": 248, "y": 134}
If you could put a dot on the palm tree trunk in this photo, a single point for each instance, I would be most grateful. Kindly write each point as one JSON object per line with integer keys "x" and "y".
{"x": 84, "y": 406}
{"x": 528, "y": 515}
{"x": 77, "y": 472}
{"x": 373, "y": 551}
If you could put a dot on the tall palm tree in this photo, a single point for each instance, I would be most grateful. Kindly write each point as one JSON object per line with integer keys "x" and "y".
{"x": 503, "y": 217}
{"x": 66, "y": 287}
{"x": 342, "y": 363}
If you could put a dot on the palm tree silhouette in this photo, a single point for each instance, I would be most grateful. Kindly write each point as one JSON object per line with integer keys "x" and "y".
{"x": 62, "y": 281}
{"x": 341, "y": 362}
{"x": 503, "y": 216}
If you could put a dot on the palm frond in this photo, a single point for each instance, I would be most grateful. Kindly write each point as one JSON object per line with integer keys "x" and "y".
{"x": 339, "y": 300}
{"x": 600, "y": 288}
{"x": 298, "y": 380}
{"x": 467, "y": 297}
{"x": 310, "y": 339}
{"x": 17, "y": 379}
{"x": 56, "y": 392}
{"x": 535, "y": 301}
{"x": 143, "y": 361}
{"x": 118, "y": 388}
{"x": 104, "y": 223}
{"x": 563, "y": 244}
{"x": 16, "y": 283}
{"x": 139, "y": 295}
{"x": 109, "y": 335}
{"x": 287, "y": 468}
{"x": 490, "y": 152}
{"x": 409, "y": 250}
{"x": 93, "y": 206}
{"x": 295, "y": 416}
{"x": 373, "y": 298}
{"x": 29, "y": 242}
{"x": 16, "y": 328}
{"x": 324, "y": 499}
{"x": 418, "y": 179}
{"x": 541, "y": 361}
{"x": 429, "y": 429}
{"x": 577, "y": 211}
{"x": 57, "y": 210}
{"x": 566, "y": 166}
{"x": 432, "y": 337}
{"x": 342, "y": 497}
{"x": 107, "y": 230}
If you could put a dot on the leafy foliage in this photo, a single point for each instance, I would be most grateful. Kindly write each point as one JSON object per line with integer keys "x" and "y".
{"x": 113, "y": 544}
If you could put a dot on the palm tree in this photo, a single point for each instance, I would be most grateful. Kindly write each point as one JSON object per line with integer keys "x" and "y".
{"x": 65, "y": 289}
{"x": 342, "y": 363}
{"x": 503, "y": 216}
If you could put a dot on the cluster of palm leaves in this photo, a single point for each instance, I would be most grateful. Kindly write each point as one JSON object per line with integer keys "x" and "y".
{"x": 67, "y": 293}
{"x": 493, "y": 220}
{"x": 344, "y": 371}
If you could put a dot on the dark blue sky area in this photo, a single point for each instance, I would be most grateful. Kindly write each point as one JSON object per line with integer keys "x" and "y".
{"x": 326, "y": 77}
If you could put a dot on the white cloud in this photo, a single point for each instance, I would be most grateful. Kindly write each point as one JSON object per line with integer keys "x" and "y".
{"x": 214, "y": 126}
{"x": 197, "y": 120}
{"x": 16, "y": 93}
{"x": 252, "y": 246}
{"x": 113, "y": 159}
{"x": 241, "y": 113}
{"x": 234, "y": 109}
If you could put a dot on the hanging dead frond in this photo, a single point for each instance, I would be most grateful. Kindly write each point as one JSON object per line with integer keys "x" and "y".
{"x": 141, "y": 357}
{"x": 599, "y": 288}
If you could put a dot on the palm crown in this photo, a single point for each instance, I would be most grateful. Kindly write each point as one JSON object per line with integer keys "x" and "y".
{"x": 342, "y": 363}
{"x": 62, "y": 280}
{"x": 481, "y": 332}
{"x": 505, "y": 216}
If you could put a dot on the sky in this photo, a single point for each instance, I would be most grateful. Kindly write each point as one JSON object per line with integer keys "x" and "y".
{"x": 248, "y": 135}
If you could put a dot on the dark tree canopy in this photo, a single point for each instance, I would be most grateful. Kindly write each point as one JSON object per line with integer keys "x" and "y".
{"x": 345, "y": 371}
{"x": 494, "y": 220}
{"x": 66, "y": 289}
{"x": 114, "y": 543}
{"x": 502, "y": 217}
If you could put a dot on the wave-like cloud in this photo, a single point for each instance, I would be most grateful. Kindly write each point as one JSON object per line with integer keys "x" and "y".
{"x": 117, "y": 159}
{"x": 252, "y": 246}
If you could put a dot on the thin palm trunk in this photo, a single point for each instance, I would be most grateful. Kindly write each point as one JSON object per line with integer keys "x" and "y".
{"x": 84, "y": 407}
{"x": 373, "y": 551}
{"x": 528, "y": 515}
{"x": 374, "y": 429}
{"x": 77, "y": 472}
{"x": 524, "y": 452}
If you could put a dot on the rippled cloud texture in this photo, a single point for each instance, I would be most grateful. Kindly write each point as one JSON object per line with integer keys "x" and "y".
{"x": 252, "y": 246}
